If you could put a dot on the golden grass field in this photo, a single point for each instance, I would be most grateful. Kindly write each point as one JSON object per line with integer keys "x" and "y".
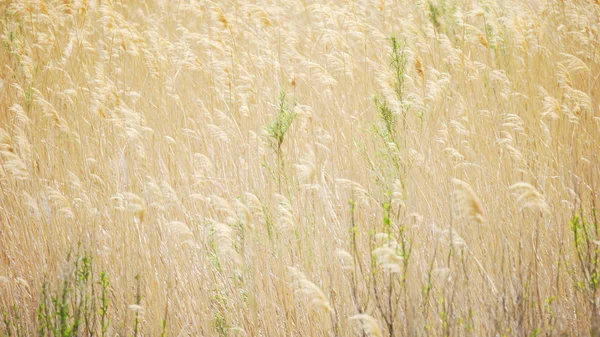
{"x": 288, "y": 168}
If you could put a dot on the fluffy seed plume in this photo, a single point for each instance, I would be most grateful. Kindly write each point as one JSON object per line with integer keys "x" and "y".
{"x": 397, "y": 196}
{"x": 136, "y": 205}
{"x": 346, "y": 259}
{"x": 307, "y": 167}
{"x": 389, "y": 258}
{"x": 317, "y": 298}
{"x": 180, "y": 232}
{"x": 368, "y": 324}
{"x": 285, "y": 215}
{"x": 529, "y": 197}
{"x": 468, "y": 204}
{"x": 225, "y": 241}
{"x": 138, "y": 309}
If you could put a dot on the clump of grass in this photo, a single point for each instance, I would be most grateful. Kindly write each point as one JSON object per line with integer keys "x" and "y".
{"x": 586, "y": 239}
{"x": 77, "y": 303}
{"x": 69, "y": 309}
{"x": 219, "y": 310}
{"x": 110, "y": 111}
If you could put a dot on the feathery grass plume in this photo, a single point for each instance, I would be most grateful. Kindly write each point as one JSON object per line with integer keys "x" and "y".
{"x": 60, "y": 202}
{"x": 443, "y": 135}
{"x": 416, "y": 157}
{"x": 575, "y": 100}
{"x": 320, "y": 75}
{"x": 307, "y": 167}
{"x": 225, "y": 242}
{"x": 255, "y": 206}
{"x": 359, "y": 194}
{"x": 14, "y": 165}
{"x": 450, "y": 237}
{"x": 397, "y": 200}
{"x": 75, "y": 182}
{"x": 317, "y": 298}
{"x": 218, "y": 133}
{"x": 442, "y": 275}
{"x": 550, "y": 105}
{"x": 119, "y": 201}
{"x": 341, "y": 64}
{"x": 506, "y": 141}
{"x": 24, "y": 285}
{"x": 437, "y": 87}
{"x": 454, "y": 154}
{"x": 467, "y": 201}
{"x": 575, "y": 65}
{"x": 415, "y": 217}
{"x": 368, "y": 324}
{"x": 20, "y": 115}
{"x": 32, "y": 206}
{"x": 529, "y": 197}
{"x": 563, "y": 77}
{"x": 136, "y": 205}
{"x": 153, "y": 192}
{"x": 203, "y": 168}
{"x": 459, "y": 128}
{"x": 180, "y": 232}
{"x": 513, "y": 122}
{"x": 5, "y": 141}
{"x": 419, "y": 67}
{"x": 138, "y": 309}
{"x": 224, "y": 207}
{"x": 285, "y": 214}
{"x": 388, "y": 257}
{"x": 169, "y": 194}
{"x": 243, "y": 212}
{"x": 11, "y": 161}
{"x": 346, "y": 259}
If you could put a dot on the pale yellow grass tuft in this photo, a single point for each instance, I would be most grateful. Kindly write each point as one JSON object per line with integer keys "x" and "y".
{"x": 225, "y": 241}
{"x": 285, "y": 215}
{"x": 467, "y": 201}
{"x": 397, "y": 200}
{"x": 307, "y": 167}
{"x": 135, "y": 205}
{"x": 369, "y": 325}
{"x": 138, "y": 309}
{"x": 346, "y": 259}
{"x": 388, "y": 257}
{"x": 180, "y": 232}
{"x": 317, "y": 298}
{"x": 528, "y": 197}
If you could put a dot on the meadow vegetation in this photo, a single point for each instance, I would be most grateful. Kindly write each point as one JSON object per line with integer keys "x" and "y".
{"x": 299, "y": 168}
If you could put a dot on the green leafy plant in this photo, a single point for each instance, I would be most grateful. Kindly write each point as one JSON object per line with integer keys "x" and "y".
{"x": 278, "y": 128}
{"x": 399, "y": 57}
{"x": 104, "y": 302}
{"x": 69, "y": 310}
{"x": 586, "y": 238}
{"x": 434, "y": 15}
{"x": 76, "y": 303}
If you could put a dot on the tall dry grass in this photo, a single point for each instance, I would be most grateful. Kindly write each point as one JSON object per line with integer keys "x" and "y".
{"x": 143, "y": 132}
